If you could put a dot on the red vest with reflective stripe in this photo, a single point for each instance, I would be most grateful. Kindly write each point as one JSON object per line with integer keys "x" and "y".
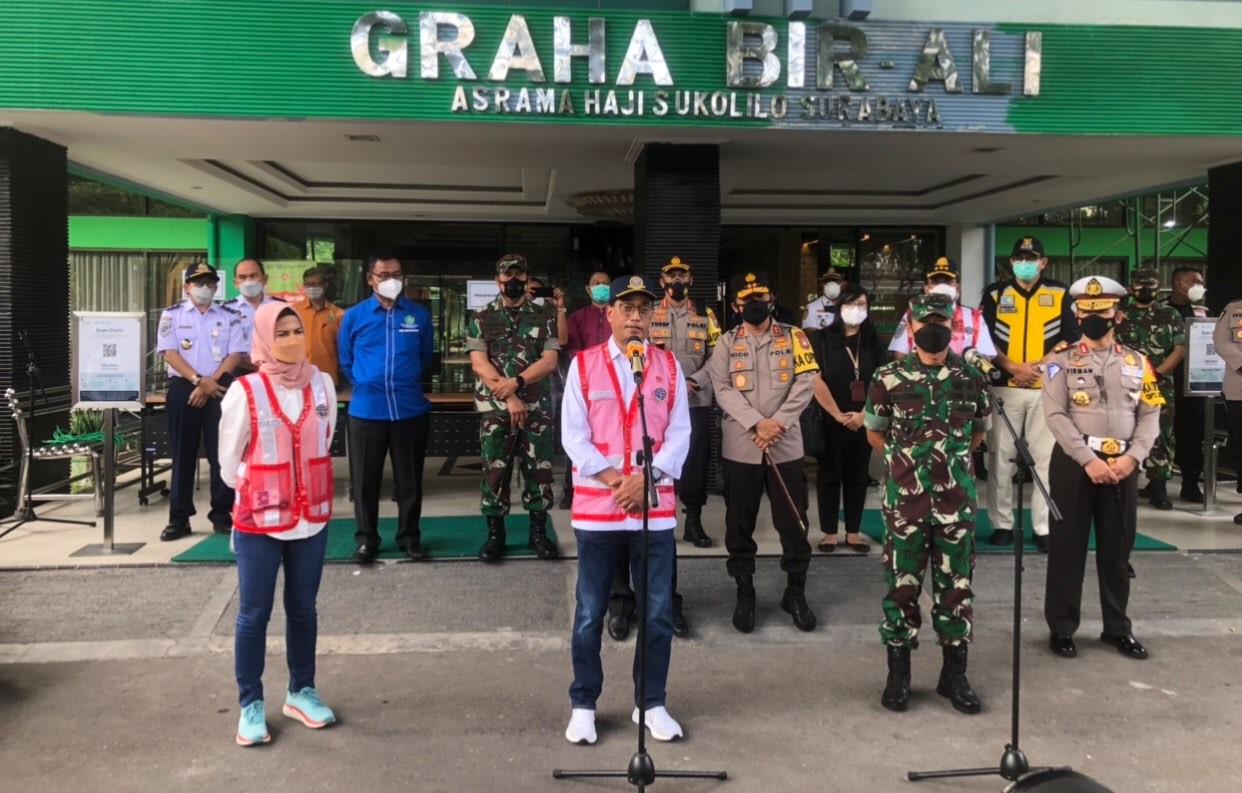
{"x": 287, "y": 472}
{"x": 616, "y": 429}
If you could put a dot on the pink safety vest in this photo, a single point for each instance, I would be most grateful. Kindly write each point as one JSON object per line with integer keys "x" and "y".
{"x": 958, "y": 341}
{"x": 616, "y": 429}
{"x": 287, "y": 472}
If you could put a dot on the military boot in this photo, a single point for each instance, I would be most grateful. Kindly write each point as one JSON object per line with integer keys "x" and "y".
{"x": 539, "y": 542}
{"x": 1158, "y": 495}
{"x": 953, "y": 683}
{"x": 744, "y": 612}
{"x": 694, "y": 528}
{"x": 896, "y": 694}
{"x": 494, "y": 547}
{"x": 794, "y": 603}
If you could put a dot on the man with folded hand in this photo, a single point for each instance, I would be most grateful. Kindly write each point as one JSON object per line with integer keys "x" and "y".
{"x": 603, "y": 435}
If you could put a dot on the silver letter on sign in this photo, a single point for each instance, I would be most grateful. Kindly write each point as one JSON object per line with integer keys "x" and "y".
{"x": 644, "y": 57}
{"x": 936, "y": 63}
{"x": 847, "y": 61}
{"x": 796, "y": 41}
{"x": 517, "y": 51}
{"x": 564, "y": 50}
{"x": 430, "y": 45}
{"x": 982, "y": 84}
{"x": 738, "y": 53}
{"x": 1034, "y": 62}
{"x": 393, "y": 46}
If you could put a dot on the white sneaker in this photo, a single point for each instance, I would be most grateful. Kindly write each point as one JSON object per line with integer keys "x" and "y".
{"x": 581, "y": 729}
{"x": 662, "y": 726}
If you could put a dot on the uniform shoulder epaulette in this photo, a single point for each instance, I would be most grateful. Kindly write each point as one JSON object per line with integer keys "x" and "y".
{"x": 230, "y": 300}
{"x": 232, "y": 310}
{"x": 1054, "y": 285}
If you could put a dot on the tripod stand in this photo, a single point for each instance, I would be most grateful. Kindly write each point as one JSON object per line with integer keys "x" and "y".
{"x": 1013, "y": 762}
{"x": 641, "y": 771}
{"x": 27, "y": 513}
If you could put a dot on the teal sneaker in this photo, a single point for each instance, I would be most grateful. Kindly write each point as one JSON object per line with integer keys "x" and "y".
{"x": 252, "y": 726}
{"x": 306, "y": 707}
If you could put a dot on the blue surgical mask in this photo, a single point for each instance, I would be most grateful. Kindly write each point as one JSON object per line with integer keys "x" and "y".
{"x": 1025, "y": 271}
{"x": 601, "y": 292}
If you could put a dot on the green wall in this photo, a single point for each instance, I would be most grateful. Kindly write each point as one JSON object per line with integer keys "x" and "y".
{"x": 1106, "y": 243}
{"x": 137, "y": 233}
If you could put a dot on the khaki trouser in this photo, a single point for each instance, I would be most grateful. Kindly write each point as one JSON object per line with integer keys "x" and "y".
{"x": 1024, "y": 408}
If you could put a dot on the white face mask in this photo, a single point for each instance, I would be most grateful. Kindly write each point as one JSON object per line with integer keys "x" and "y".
{"x": 251, "y": 288}
{"x": 832, "y": 290}
{"x": 944, "y": 289}
{"x": 1196, "y": 293}
{"x": 853, "y": 315}
{"x": 203, "y": 294}
{"x": 391, "y": 289}
{"x": 313, "y": 292}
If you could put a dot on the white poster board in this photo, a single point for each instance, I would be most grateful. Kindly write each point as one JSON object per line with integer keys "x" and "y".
{"x": 480, "y": 293}
{"x": 109, "y": 355}
{"x": 1205, "y": 370}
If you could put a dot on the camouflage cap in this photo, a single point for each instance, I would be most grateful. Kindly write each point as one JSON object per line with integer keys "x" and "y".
{"x": 510, "y": 260}
{"x": 924, "y": 306}
{"x": 1144, "y": 275}
{"x": 201, "y": 270}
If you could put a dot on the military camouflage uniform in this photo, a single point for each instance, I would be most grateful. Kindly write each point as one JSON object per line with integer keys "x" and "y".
{"x": 928, "y": 415}
{"x": 514, "y": 338}
{"x": 1154, "y": 331}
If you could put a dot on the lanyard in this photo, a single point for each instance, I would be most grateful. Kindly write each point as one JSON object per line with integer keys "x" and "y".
{"x": 853, "y": 359}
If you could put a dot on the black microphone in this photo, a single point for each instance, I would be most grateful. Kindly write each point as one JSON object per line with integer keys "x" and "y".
{"x": 976, "y": 359}
{"x": 634, "y": 351}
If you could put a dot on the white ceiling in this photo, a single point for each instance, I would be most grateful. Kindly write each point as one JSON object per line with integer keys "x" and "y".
{"x": 516, "y": 172}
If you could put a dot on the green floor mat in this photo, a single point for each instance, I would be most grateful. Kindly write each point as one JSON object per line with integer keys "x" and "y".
{"x": 873, "y": 527}
{"x": 450, "y": 537}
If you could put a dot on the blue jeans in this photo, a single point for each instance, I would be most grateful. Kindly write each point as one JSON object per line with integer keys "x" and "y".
{"x": 258, "y": 560}
{"x": 598, "y": 552}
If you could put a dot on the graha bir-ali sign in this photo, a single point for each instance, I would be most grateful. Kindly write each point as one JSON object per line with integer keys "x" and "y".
{"x": 836, "y": 89}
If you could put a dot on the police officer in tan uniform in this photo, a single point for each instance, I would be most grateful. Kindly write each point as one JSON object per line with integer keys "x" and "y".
{"x": 1227, "y": 339}
{"x": 1102, "y": 403}
{"x": 762, "y": 373}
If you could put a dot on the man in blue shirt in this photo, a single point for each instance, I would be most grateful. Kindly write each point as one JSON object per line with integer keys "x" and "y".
{"x": 385, "y": 344}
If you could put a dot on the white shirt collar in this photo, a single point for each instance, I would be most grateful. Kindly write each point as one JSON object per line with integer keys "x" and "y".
{"x": 615, "y": 350}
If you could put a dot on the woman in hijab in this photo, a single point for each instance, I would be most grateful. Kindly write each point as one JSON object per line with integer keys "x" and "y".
{"x": 275, "y": 433}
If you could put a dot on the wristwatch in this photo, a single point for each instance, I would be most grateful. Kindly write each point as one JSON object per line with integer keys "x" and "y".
{"x": 195, "y": 380}
{"x": 521, "y": 381}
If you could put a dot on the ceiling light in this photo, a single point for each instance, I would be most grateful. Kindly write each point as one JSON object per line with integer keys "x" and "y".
{"x": 1170, "y": 223}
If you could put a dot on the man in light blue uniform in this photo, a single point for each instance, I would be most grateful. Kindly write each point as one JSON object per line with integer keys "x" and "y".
{"x": 250, "y": 278}
{"x": 385, "y": 344}
{"x": 201, "y": 343}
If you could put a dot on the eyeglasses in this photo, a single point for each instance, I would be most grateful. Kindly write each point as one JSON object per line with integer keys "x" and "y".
{"x": 381, "y": 277}
{"x": 630, "y": 309}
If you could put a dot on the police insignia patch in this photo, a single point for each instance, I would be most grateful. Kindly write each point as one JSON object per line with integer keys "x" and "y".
{"x": 636, "y": 283}
{"x": 661, "y": 394}
{"x": 321, "y": 411}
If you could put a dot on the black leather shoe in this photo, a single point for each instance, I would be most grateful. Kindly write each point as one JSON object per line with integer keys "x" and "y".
{"x": 1158, "y": 496}
{"x": 953, "y": 684}
{"x": 794, "y": 603}
{"x": 175, "y": 531}
{"x": 494, "y": 546}
{"x": 681, "y": 628}
{"x": 896, "y": 696}
{"x": 1126, "y": 645}
{"x": 1192, "y": 493}
{"x": 1145, "y": 490}
{"x": 539, "y": 542}
{"x": 365, "y": 553}
{"x": 1238, "y": 519}
{"x": 693, "y": 532}
{"x": 744, "y": 611}
{"x": 618, "y": 628}
{"x": 416, "y": 552}
{"x": 567, "y": 500}
{"x": 1041, "y": 542}
{"x": 1130, "y": 571}
{"x": 1062, "y": 644}
{"x": 1001, "y": 537}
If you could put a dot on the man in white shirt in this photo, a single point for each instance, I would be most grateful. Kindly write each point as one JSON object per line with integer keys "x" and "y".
{"x": 819, "y": 313}
{"x": 969, "y": 329}
{"x": 601, "y": 431}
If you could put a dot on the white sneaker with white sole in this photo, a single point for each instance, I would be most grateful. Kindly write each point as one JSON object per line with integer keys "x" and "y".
{"x": 662, "y": 726}
{"x": 581, "y": 729}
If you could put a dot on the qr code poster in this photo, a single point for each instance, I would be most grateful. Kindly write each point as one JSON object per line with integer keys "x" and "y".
{"x": 109, "y": 361}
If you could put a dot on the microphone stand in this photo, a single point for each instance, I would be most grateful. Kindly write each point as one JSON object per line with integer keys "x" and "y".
{"x": 1013, "y": 762}
{"x": 641, "y": 771}
{"x": 27, "y": 513}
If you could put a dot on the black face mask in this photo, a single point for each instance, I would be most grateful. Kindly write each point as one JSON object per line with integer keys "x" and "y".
{"x": 677, "y": 290}
{"x": 1095, "y": 327}
{"x": 933, "y": 339}
{"x": 755, "y": 312}
{"x": 514, "y": 288}
{"x": 1145, "y": 294}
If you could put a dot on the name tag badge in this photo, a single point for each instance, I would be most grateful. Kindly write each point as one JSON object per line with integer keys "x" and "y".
{"x": 1131, "y": 371}
{"x": 1007, "y": 310}
{"x": 1046, "y": 301}
{"x": 216, "y": 354}
{"x": 602, "y": 395}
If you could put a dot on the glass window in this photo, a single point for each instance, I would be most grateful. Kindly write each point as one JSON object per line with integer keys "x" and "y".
{"x": 88, "y": 197}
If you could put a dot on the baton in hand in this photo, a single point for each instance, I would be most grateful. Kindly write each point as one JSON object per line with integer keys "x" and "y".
{"x": 780, "y": 480}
